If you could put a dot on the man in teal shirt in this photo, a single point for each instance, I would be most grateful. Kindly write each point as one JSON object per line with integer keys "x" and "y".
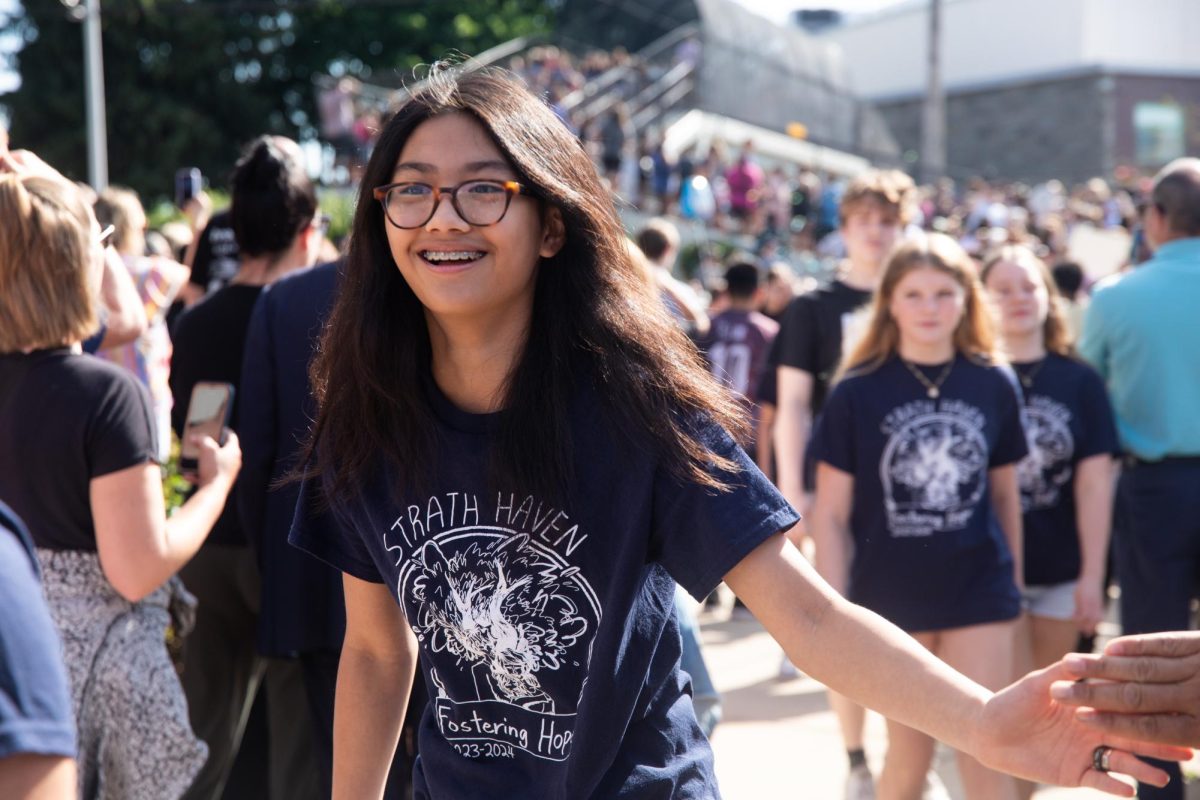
{"x": 1141, "y": 333}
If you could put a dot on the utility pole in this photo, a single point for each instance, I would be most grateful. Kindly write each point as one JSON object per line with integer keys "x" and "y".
{"x": 933, "y": 117}
{"x": 96, "y": 119}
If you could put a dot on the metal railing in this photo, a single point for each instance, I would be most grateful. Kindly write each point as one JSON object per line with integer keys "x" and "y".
{"x": 649, "y": 99}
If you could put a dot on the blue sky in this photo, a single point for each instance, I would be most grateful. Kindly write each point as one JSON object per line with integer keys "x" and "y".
{"x": 8, "y": 80}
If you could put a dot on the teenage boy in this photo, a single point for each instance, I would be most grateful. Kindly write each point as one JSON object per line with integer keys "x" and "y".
{"x": 737, "y": 345}
{"x": 816, "y": 329}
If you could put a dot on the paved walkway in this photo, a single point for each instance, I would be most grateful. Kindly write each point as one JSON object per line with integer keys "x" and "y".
{"x": 778, "y": 739}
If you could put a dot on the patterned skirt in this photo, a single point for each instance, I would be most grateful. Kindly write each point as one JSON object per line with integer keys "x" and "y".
{"x": 135, "y": 740}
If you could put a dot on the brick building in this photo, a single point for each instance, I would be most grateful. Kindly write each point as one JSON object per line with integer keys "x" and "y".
{"x": 1039, "y": 88}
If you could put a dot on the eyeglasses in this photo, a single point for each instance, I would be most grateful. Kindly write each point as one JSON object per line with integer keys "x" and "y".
{"x": 480, "y": 203}
{"x": 104, "y": 234}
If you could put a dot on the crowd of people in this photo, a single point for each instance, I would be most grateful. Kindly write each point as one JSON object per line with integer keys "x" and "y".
{"x": 476, "y": 452}
{"x": 864, "y": 387}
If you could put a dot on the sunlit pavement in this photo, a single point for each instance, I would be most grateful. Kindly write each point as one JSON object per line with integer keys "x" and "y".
{"x": 778, "y": 738}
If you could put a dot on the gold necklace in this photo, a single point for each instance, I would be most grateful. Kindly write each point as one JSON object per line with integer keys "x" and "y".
{"x": 932, "y": 388}
{"x": 1026, "y": 378}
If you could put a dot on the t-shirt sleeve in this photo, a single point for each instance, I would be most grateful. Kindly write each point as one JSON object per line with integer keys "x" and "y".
{"x": 1099, "y": 426}
{"x": 701, "y": 533}
{"x": 834, "y": 438}
{"x": 121, "y": 432}
{"x": 35, "y": 705}
{"x": 1011, "y": 444}
{"x": 796, "y": 343}
{"x": 327, "y": 533}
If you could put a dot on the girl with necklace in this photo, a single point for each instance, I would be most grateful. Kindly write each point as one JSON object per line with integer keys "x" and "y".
{"x": 517, "y": 454}
{"x": 1066, "y": 481}
{"x": 917, "y": 513}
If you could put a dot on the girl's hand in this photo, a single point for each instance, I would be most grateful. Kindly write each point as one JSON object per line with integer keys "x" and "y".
{"x": 1025, "y": 732}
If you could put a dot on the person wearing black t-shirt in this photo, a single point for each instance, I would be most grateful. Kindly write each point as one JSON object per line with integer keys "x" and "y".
{"x": 1067, "y": 478}
{"x": 815, "y": 329}
{"x": 273, "y": 213}
{"x": 215, "y": 257}
{"x": 917, "y": 513}
{"x": 78, "y": 464}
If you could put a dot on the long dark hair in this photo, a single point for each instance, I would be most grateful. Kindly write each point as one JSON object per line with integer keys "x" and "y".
{"x": 273, "y": 199}
{"x": 593, "y": 320}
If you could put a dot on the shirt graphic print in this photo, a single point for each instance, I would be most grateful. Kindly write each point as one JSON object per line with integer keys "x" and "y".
{"x": 1048, "y": 468}
{"x": 547, "y": 635}
{"x": 495, "y": 592}
{"x": 933, "y": 466}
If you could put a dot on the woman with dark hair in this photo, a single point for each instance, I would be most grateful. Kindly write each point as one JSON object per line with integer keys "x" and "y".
{"x": 521, "y": 450}
{"x": 274, "y": 218}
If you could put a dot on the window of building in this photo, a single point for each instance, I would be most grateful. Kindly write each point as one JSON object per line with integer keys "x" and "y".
{"x": 1158, "y": 133}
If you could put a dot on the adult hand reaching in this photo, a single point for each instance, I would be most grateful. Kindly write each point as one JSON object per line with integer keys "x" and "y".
{"x": 1149, "y": 689}
{"x": 1026, "y": 733}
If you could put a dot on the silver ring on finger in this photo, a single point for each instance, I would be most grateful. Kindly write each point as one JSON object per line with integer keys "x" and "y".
{"x": 1100, "y": 758}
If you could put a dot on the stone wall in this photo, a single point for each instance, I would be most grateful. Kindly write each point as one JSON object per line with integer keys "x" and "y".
{"x": 1029, "y": 132}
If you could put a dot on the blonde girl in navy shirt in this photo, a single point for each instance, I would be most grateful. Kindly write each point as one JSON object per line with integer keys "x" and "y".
{"x": 1066, "y": 481}
{"x": 516, "y": 456}
{"x": 917, "y": 512}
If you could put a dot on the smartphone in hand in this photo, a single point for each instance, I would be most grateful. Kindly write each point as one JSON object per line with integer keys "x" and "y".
{"x": 188, "y": 183}
{"x": 207, "y": 415}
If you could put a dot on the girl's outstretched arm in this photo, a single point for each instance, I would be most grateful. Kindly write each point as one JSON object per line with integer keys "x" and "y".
{"x": 859, "y": 654}
{"x": 375, "y": 676}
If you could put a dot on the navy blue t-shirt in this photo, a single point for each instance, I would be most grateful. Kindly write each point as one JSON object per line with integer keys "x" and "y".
{"x": 35, "y": 705}
{"x": 929, "y": 551}
{"x": 547, "y": 635}
{"x": 1068, "y": 418}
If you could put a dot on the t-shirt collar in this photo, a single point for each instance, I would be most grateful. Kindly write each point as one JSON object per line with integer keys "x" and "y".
{"x": 454, "y": 417}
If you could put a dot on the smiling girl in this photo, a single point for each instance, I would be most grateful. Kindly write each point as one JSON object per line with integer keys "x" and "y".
{"x": 917, "y": 514}
{"x": 1067, "y": 479}
{"x": 516, "y": 455}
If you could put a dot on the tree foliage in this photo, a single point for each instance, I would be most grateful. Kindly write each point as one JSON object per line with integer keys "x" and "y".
{"x": 188, "y": 82}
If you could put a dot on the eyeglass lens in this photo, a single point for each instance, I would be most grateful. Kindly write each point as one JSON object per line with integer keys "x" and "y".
{"x": 477, "y": 202}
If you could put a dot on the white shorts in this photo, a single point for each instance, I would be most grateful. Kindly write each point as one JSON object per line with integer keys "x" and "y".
{"x": 1055, "y": 601}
